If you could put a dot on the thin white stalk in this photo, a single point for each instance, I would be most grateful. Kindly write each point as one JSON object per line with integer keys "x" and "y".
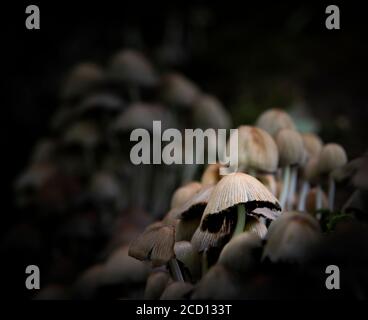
{"x": 291, "y": 193}
{"x": 331, "y": 193}
{"x": 319, "y": 198}
{"x": 175, "y": 270}
{"x": 303, "y": 195}
{"x": 285, "y": 186}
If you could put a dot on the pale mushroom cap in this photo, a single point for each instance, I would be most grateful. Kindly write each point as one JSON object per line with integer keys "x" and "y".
{"x": 133, "y": 67}
{"x": 257, "y": 150}
{"x": 185, "y": 228}
{"x": 332, "y": 156}
{"x": 184, "y": 193}
{"x": 208, "y": 112}
{"x": 237, "y": 254}
{"x": 177, "y": 90}
{"x": 273, "y": 120}
{"x": 237, "y": 188}
{"x": 312, "y": 144}
{"x": 290, "y": 145}
{"x": 290, "y": 236}
{"x": 254, "y": 225}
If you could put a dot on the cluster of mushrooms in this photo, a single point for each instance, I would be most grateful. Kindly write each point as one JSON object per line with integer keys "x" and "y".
{"x": 223, "y": 232}
{"x": 259, "y": 232}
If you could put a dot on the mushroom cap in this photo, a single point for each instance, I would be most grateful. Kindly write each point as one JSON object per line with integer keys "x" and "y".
{"x": 208, "y": 112}
{"x": 80, "y": 79}
{"x": 156, "y": 244}
{"x": 178, "y": 91}
{"x": 290, "y": 145}
{"x": 99, "y": 101}
{"x": 156, "y": 284}
{"x": 211, "y": 174}
{"x": 132, "y": 67}
{"x": 142, "y": 115}
{"x": 233, "y": 189}
{"x": 177, "y": 290}
{"x": 185, "y": 228}
{"x": 184, "y": 193}
{"x": 218, "y": 283}
{"x": 195, "y": 205}
{"x": 238, "y": 254}
{"x": 290, "y": 236}
{"x": 257, "y": 150}
{"x": 84, "y": 133}
{"x": 312, "y": 144}
{"x": 331, "y": 157}
{"x": 273, "y": 120}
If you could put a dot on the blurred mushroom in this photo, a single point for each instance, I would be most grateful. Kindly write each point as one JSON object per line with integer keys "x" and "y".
{"x": 273, "y": 120}
{"x": 190, "y": 259}
{"x": 290, "y": 237}
{"x": 177, "y": 291}
{"x": 156, "y": 284}
{"x": 291, "y": 152}
{"x": 331, "y": 157}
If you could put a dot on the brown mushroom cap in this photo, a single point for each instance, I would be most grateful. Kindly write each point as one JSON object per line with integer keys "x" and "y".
{"x": 290, "y": 145}
{"x": 273, "y": 120}
{"x": 289, "y": 237}
{"x": 332, "y": 156}
{"x": 256, "y": 149}
{"x": 155, "y": 244}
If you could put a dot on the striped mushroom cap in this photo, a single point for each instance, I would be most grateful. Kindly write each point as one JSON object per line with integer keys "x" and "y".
{"x": 273, "y": 120}
{"x": 218, "y": 218}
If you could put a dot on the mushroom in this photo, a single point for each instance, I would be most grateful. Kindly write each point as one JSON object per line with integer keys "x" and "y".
{"x": 156, "y": 244}
{"x": 331, "y": 157}
{"x": 134, "y": 70}
{"x": 290, "y": 237}
{"x": 291, "y": 152}
{"x": 190, "y": 213}
{"x": 273, "y": 120}
{"x": 312, "y": 146}
{"x": 257, "y": 151}
{"x": 235, "y": 191}
{"x": 238, "y": 255}
{"x": 156, "y": 284}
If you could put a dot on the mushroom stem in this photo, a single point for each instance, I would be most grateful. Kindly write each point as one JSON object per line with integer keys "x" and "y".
{"x": 285, "y": 186}
{"x": 319, "y": 198}
{"x": 303, "y": 195}
{"x": 240, "y": 221}
{"x": 175, "y": 270}
{"x": 331, "y": 193}
{"x": 291, "y": 193}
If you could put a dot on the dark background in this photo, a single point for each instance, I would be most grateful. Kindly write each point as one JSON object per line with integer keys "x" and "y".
{"x": 256, "y": 56}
